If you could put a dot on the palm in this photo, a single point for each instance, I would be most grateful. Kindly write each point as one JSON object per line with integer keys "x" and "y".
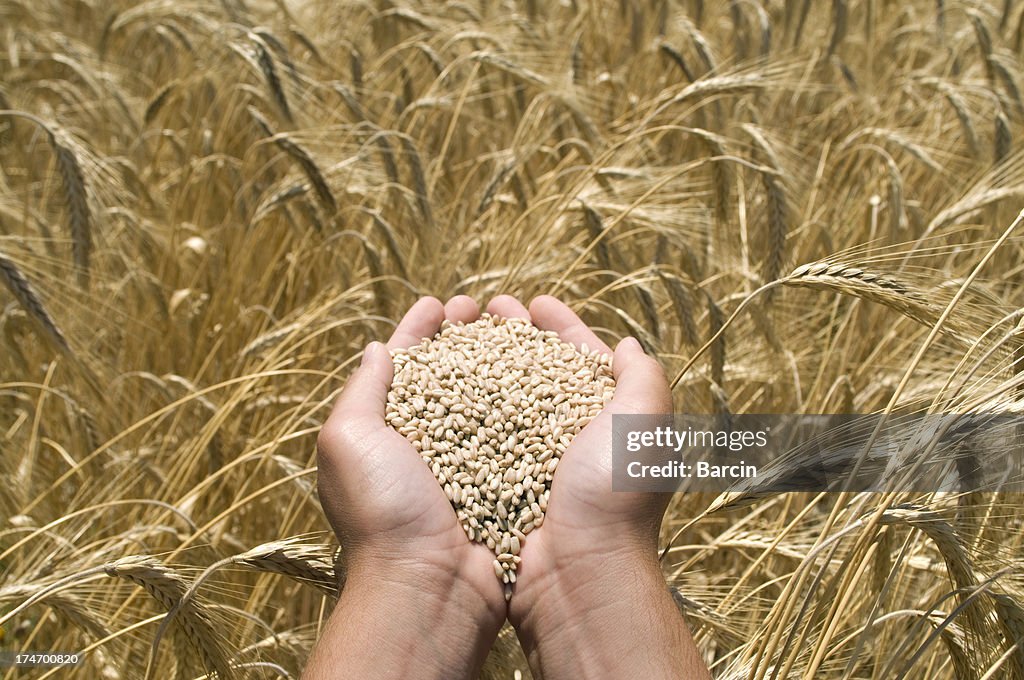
{"x": 385, "y": 497}
{"x": 406, "y": 502}
{"x": 414, "y": 511}
{"x": 584, "y": 515}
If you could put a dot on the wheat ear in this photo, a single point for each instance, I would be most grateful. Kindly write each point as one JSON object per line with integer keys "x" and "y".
{"x": 875, "y": 287}
{"x": 75, "y": 194}
{"x": 306, "y": 563}
{"x": 79, "y": 217}
{"x": 300, "y": 156}
{"x": 29, "y": 299}
{"x": 168, "y": 588}
{"x": 269, "y": 71}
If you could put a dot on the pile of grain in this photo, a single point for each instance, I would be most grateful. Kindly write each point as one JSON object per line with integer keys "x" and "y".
{"x": 491, "y": 406}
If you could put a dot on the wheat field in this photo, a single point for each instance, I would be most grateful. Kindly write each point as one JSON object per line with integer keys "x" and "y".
{"x": 207, "y": 210}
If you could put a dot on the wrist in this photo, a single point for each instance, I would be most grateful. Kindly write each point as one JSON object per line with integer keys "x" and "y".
{"x": 420, "y": 621}
{"x": 443, "y": 585}
{"x": 601, "y": 616}
{"x": 565, "y": 586}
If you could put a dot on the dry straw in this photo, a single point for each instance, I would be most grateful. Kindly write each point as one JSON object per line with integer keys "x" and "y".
{"x": 491, "y": 406}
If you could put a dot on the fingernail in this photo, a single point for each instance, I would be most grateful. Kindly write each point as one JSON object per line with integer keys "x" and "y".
{"x": 372, "y": 348}
{"x": 631, "y": 343}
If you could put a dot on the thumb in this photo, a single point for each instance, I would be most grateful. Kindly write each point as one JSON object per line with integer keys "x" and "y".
{"x": 366, "y": 392}
{"x": 640, "y": 383}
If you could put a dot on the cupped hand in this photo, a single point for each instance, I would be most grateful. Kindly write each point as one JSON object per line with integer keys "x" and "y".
{"x": 392, "y": 518}
{"x": 585, "y": 520}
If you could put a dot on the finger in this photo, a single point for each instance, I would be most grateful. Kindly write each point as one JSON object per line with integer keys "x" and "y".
{"x": 366, "y": 392}
{"x": 462, "y": 308}
{"x": 552, "y": 315}
{"x": 508, "y": 307}
{"x": 421, "y": 321}
{"x": 640, "y": 383}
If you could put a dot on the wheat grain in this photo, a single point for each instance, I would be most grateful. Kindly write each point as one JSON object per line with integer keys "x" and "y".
{"x": 491, "y": 406}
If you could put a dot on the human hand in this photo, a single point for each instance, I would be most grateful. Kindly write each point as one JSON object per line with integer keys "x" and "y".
{"x": 403, "y": 547}
{"x": 584, "y": 518}
{"x": 590, "y": 598}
